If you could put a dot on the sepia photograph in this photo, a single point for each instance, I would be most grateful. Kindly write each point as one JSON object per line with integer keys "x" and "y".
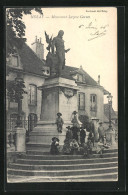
{"x": 61, "y": 94}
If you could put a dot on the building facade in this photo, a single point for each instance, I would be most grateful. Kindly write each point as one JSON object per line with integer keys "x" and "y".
{"x": 29, "y": 64}
{"x": 26, "y": 64}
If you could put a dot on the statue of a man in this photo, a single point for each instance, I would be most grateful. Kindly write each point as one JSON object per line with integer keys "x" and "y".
{"x": 58, "y": 43}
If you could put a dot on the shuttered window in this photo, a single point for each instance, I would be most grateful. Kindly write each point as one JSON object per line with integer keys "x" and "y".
{"x": 80, "y": 78}
{"x": 81, "y": 101}
{"x": 15, "y": 61}
{"x": 93, "y": 102}
{"x": 32, "y": 95}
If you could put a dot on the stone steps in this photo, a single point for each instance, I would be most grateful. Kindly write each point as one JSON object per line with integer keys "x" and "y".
{"x": 61, "y": 167}
{"x": 38, "y": 146}
{"x": 37, "y": 152}
{"x": 63, "y": 162}
{"x": 66, "y": 157}
{"x": 78, "y": 178}
{"x": 62, "y": 172}
{"x": 41, "y": 166}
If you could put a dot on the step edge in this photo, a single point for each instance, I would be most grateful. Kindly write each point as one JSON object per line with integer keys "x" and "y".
{"x": 62, "y": 165}
{"x": 75, "y": 176}
{"x": 60, "y": 171}
{"x": 69, "y": 159}
{"x": 79, "y": 155}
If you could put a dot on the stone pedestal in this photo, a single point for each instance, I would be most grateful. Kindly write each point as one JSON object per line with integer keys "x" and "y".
{"x": 10, "y": 141}
{"x": 58, "y": 95}
{"x": 20, "y": 139}
{"x": 110, "y": 138}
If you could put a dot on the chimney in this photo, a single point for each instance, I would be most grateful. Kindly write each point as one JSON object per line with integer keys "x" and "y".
{"x": 99, "y": 79}
{"x": 38, "y": 48}
{"x": 36, "y": 39}
{"x": 81, "y": 67}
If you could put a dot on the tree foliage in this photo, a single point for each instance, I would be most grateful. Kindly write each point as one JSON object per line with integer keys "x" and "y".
{"x": 15, "y": 90}
{"x": 15, "y": 27}
{"x": 15, "y": 32}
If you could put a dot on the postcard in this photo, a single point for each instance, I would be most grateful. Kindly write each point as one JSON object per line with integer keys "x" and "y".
{"x": 61, "y": 94}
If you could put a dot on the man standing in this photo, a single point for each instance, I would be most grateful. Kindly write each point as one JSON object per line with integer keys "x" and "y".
{"x": 58, "y": 43}
{"x": 82, "y": 135}
{"x": 101, "y": 132}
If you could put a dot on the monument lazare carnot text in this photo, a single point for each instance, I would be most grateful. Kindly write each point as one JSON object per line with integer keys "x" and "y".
{"x": 56, "y": 55}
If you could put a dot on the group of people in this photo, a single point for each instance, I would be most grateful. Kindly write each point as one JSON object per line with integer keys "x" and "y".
{"x": 75, "y": 132}
{"x": 97, "y": 135}
{"x": 78, "y": 133}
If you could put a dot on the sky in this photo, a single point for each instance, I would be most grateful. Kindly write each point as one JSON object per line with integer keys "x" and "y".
{"x": 91, "y": 35}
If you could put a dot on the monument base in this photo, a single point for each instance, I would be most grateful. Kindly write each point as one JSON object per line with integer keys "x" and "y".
{"x": 58, "y": 95}
{"x": 41, "y": 136}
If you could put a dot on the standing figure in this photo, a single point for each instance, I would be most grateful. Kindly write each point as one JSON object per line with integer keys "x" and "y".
{"x": 96, "y": 125}
{"x": 91, "y": 126}
{"x": 58, "y": 43}
{"x": 82, "y": 136}
{"x": 76, "y": 126}
{"x": 59, "y": 122}
{"x": 91, "y": 137}
{"x": 68, "y": 133}
{"x": 66, "y": 147}
{"x": 101, "y": 132}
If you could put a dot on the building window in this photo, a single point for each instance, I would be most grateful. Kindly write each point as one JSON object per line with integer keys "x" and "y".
{"x": 93, "y": 101}
{"x": 81, "y": 101}
{"x": 32, "y": 95}
{"x": 15, "y": 61}
{"x": 80, "y": 78}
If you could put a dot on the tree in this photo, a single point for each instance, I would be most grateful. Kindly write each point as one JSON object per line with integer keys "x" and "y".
{"x": 15, "y": 91}
{"x": 15, "y": 27}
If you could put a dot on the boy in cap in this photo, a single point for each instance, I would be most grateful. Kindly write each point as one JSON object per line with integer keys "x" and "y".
{"x": 59, "y": 122}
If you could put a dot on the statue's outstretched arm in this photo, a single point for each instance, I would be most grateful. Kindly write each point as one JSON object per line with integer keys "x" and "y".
{"x": 67, "y": 50}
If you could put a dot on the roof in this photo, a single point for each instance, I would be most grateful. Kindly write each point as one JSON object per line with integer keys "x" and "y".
{"x": 33, "y": 64}
{"x": 106, "y": 112}
{"x": 69, "y": 71}
{"x": 30, "y": 61}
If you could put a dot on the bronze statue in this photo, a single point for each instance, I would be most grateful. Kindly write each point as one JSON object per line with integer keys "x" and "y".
{"x": 56, "y": 49}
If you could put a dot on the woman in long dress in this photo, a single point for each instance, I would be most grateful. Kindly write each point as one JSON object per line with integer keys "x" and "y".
{"x": 76, "y": 126}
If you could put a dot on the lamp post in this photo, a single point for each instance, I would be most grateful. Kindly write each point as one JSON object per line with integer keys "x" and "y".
{"x": 110, "y": 107}
{"x": 110, "y": 132}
